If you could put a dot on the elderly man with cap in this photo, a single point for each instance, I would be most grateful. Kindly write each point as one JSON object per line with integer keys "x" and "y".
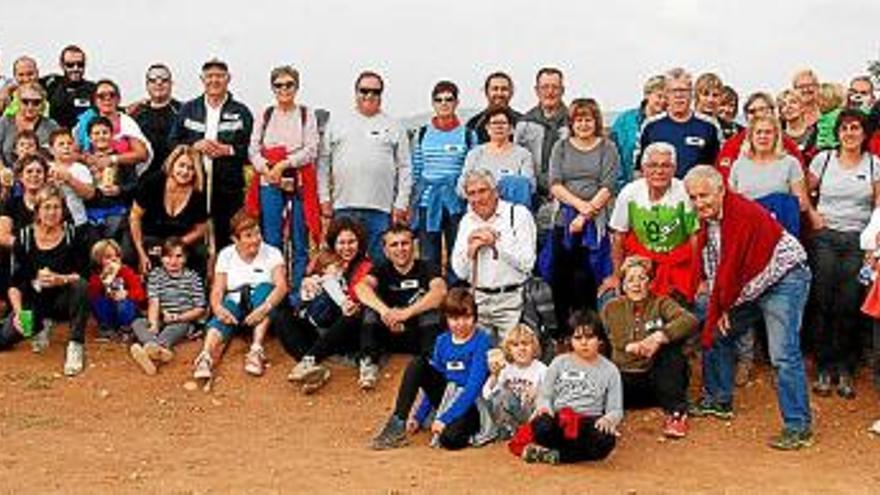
{"x": 220, "y": 128}
{"x": 495, "y": 252}
{"x": 753, "y": 268}
{"x": 156, "y": 114}
{"x": 70, "y": 93}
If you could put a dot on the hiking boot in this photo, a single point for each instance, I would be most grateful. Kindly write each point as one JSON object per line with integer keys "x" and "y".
{"x": 535, "y": 453}
{"x": 73, "y": 363}
{"x": 302, "y": 368}
{"x": 202, "y": 367}
{"x": 392, "y": 436}
{"x": 158, "y": 352}
{"x": 142, "y": 358}
{"x": 822, "y": 385}
{"x": 254, "y": 361}
{"x": 846, "y": 387}
{"x": 675, "y": 425}
{"x": 743, "y": 373}
{"x": 316, "y": 378}
{"x": 790, "y": 439}
{"x": 369, "y": 374}
{"x": 708, "y": 407}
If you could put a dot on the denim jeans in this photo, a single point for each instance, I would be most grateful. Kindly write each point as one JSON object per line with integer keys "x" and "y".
{"x": 431, "y": 243}
{"x": 272, "y": 203}
{"x": 258, "y": 296}
{"x": 782, "y": 307}
{"x": 376, "y": 222}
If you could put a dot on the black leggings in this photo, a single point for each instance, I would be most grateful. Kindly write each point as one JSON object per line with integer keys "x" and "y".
{"x": 300, "y": 338}
{"x": 420, "y": 374}
{"x": 574, "y": 287}
{"x": 417, "y": 338}
{"x": 590, "y": 444}
{"x": 68, "y": 303}
{"x": 665, "y": 384}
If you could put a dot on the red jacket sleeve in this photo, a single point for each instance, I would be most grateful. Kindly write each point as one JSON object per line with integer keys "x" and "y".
{"x": 133, "y": 285}
{"x": 95, "y": 288}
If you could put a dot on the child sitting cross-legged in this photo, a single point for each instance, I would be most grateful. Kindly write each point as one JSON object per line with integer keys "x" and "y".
{"x": 457, "y": 364}
{"x": 176, "y": 303}
{"x": 115, "y": 291}
{"x": 580, "y": 402}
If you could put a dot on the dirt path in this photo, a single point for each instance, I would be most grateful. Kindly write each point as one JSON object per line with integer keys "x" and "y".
{"x": 114, "y": 430}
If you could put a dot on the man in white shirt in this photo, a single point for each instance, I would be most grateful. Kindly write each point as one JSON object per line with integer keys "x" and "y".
{"x": 499, "y": 239}
{"x": 365, "y": 156}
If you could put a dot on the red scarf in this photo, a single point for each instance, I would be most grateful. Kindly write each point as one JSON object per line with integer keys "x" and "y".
{"x": 749, "y": 236}
{"x": 446, "y": 124}
{"x": 674, "y": 271}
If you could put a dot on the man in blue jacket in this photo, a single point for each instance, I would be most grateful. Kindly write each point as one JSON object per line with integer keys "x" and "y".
{"x": 220, "y": 128}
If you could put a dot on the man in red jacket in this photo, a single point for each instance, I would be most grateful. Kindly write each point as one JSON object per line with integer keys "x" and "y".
{"x": 752, "y": 269}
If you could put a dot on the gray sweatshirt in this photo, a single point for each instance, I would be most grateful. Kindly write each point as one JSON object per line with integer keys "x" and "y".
{"x": 590, "y": 389}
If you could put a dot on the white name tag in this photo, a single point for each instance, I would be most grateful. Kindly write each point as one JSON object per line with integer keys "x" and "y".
{"x": 194, "y": 125}
{"x": 573, "y": 375}
{"x": 81, "y": 102}
{"x": 455, "y": 366}
{"x": 231, "y": 116}
{"x": 453, "y": 148}
{"x": 694, "y": 141}
{"x": 230, "y": 126}
{"x": 409, "y": 284}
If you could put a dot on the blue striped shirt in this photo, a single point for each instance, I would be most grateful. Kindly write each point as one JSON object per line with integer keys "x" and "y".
{"x": 439, "y": 157}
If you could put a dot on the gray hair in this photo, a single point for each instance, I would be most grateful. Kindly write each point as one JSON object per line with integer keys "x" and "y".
{"x": 285, "y": 70}
{"x": 658, "y": 148}
{"x": 706, "y": 173}
{"x": 479, "y": 174}
{"x": 678, "y": 73}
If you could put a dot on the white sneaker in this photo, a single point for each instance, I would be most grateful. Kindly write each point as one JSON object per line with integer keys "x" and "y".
{"x": 304, "y": 367}
{"x": 73, "y": 364}
{"x": 254, "y": 361}
{"x": 875, "y": 428}
{"x": 203, "y": 366}
{"x": 40, "y": 341}
{"x": 369, "y": 374}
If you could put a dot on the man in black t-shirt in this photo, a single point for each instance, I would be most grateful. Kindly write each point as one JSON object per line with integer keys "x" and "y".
{"x": 402, "y": 296}
{"x": 155, "y": 115}
{"x": 70, "y": 93}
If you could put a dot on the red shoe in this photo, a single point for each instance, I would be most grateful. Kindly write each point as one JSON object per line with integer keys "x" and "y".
{"x": 675, "y": 426}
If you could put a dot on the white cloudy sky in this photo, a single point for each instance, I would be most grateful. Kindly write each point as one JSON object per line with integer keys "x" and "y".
{"x": 605, "y": 49}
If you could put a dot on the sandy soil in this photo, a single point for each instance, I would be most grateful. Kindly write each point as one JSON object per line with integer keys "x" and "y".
{"x": 115, "y": 430}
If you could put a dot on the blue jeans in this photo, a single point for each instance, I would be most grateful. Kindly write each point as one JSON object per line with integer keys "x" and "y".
{"x": 431, "y": 243}
{"x": 376, "y": 222}
{"x": 114, "y": 314}
{"x": 782, "y": 307}
{"x": 259, "y": 294}
{"x": 272, "y": 203}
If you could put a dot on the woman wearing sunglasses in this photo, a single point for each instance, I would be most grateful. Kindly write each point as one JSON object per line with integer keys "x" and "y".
{"x": 30, "y": 118}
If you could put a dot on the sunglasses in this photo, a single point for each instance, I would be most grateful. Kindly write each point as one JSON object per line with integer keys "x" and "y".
{"x": 444, "y": 99}
{"x": 75, "y": 65}
{"x": 370, "y": 91}
{"x": 158, "y": 79}
{"x": 31, "y": 102}
{"x": 107, "y": 95}
{"x": 284, "y": 85}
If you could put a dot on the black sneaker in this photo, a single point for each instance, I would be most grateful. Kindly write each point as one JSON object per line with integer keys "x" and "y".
{"x": 392, "y": 436}
{"x": 790, "y": 439}
{"x": 822, "y": 385}
{"x": 845, "y": 387}
{"x": 710, "y": 408}
{"x": 536, "y": 453}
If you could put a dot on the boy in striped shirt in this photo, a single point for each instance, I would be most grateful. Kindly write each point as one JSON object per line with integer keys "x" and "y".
{"x": 176, "y": 302}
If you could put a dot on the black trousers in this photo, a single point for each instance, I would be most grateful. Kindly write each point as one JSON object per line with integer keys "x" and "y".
{"x": 419, "y": 374}
{"x": 574, "y": 287}
{"x": 68, "y": 303}
{"x": 590, "y": 444}
{"x": 664, "y": 385}
{"x": 417, "y": 337}
{"x": 300, "y": 338}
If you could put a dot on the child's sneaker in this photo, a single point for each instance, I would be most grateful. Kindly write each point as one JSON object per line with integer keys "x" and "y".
{"x": 675, "y": 425}
{"x": 392, "y": 436}
{"x": 301, "y": 369}
{"x": 105, "y": 335}
{"x": 369, "y": 374}
{"x": 535, "y": 453}
{"x": 158, "y": 352}
{"x": 875, "y": 427}
{"x": 202, "y": 367}
{"x": 790, "y": 439}
{"x": 316, "y": 378}
{"x": 254, "y": 361}
{"x": 73, "y": 363}
{"x": 141, "y": 357}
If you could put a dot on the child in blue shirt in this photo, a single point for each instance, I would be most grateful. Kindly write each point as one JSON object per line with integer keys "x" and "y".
{"x": 459, "y": 357}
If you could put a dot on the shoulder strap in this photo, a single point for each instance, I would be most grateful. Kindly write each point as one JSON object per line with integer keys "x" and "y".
{"x": 422, "y": 131}
{"x": 824, "y": 168}
{"x": 512, "y": 210}
{"x": 303, "y": 116}
{"x": 267, "y": 114}
{"x": 468, "y": 138}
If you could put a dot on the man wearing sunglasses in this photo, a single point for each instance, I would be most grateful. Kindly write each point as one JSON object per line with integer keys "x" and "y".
{"x": 69, "y": 93}
{"x": 24, "y": 71}
{"x": 220, "y": 128}
{"x": 156, "y": 114}
{"x": 365, "y": 155}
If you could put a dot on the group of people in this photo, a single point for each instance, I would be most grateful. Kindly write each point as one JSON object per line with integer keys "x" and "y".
{"x": 679, "y": 232}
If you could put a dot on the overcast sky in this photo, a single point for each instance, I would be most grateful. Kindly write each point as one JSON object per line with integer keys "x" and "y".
{"x": 606, "y": 50}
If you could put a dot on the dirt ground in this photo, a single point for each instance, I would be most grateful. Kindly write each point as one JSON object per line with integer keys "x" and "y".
{"x": 115, "y": 430}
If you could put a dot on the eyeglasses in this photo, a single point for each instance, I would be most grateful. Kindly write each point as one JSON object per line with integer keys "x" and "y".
{"x": 79, "y": 64}
{"x": 31, "y": 102}
{"x": 106, "y": 95}
{"x": 284, "y": 85}
{"x": 370, "y": 92}
{"x": 158, "y": 79}
{"x": 444, "y": 99}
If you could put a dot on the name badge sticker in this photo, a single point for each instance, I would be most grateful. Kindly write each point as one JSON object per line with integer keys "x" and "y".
{"x": 572, "y": 375}
{"x": 455, "y": 366}
{"x": 409, "y": 284}
{"x": 694, "y": 141}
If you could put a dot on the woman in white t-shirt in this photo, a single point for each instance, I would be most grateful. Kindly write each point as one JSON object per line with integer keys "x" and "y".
{"x": 847, "y": 180}
{"x": 249, "y": 281}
